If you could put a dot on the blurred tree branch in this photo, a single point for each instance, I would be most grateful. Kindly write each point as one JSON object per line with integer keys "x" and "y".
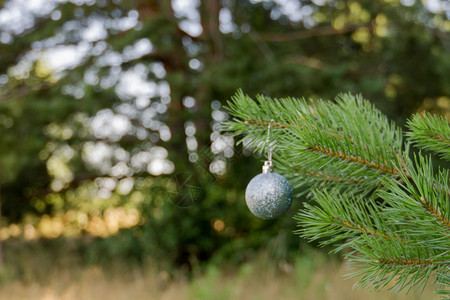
{"x": 309, "y": 33}
{"x": 310, "y": 62}
{"x": 22, "y": 91}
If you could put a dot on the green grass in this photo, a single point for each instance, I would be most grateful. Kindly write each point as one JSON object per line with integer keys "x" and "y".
{"x": 38, "y": 273}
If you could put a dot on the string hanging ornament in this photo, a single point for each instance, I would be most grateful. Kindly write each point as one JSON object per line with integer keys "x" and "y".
{"x": 268, "y": 195}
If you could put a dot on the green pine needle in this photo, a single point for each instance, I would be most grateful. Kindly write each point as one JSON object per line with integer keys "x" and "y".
{"x": 431, "y": 133}
{"x": 390, "y": 212}
{"x": 348, "y": 144}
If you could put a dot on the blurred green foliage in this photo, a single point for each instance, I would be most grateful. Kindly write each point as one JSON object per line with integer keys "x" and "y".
{"x": 395, "y": 54}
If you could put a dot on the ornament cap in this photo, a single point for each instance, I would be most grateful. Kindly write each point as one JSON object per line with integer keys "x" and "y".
{"x": 268, "y": 166}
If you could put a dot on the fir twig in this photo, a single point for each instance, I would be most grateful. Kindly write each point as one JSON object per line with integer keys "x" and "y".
{"x": 325, "y": 176}
{"x": 434, "y": 212}
{"x": 430, "y": 133}
{"x": 401, "y": 261}
{"x": 352, "y": 158}
{"x": 361, "y": 229}
{"x": 390, "y": 211}
{"x": 331, "y": 140}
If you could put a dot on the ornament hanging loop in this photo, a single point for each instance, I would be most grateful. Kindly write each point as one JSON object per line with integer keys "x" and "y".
{"x": 268, "y": 164}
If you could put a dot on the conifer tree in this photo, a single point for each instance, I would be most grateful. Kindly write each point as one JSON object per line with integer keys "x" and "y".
{"x": 381, "y": 202}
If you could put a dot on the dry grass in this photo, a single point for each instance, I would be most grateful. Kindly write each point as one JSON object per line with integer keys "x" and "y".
{"x": 310, "y": 278}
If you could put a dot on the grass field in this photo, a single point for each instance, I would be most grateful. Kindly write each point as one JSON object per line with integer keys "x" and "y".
{"x": 312, "y": 276}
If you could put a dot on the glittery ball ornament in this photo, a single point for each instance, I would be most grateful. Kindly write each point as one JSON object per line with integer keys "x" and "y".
{"x": 268, "y": 195}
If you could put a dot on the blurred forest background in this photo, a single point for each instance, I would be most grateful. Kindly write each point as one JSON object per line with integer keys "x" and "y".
{"x": 111, "y": 154}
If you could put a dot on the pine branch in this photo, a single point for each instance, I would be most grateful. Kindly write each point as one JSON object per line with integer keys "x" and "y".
{"x": 337, "y": 217}
{"x": 368, "y": 195}
{"x": 417, "y": 262}
{"x": 344, "y": 140}
{"x": 423, "y": 195}
{"x": 430, "y": 133}
{"x": 361, "y": 229}
{"x": 383, "y": 253}
{"x": 360, "y": 160}
{"x": 417, "y": 211}
{"x": 266, "y": 124}
{"x": 379, "y": 262}
{"x": 301, "y": 171}
{"x": 434, "y": 212}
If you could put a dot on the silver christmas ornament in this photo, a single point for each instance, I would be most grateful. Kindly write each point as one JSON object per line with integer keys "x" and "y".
{"x": 269, "y": 195}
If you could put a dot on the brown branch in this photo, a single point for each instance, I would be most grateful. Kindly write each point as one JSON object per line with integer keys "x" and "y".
{"x": 434, "y": 212}
{"x": 402, "y": 261}
{"x": 438, "y": 137}
{"x": 352, "y": 158}
{"x": 266, "y": 124}
{"x": 404, "y": 166}
{"x": 23, "y": 91}
{"x": 365, "y": 229}
{"x": 325, "y": 176}
{"x": 437, "y": 188}
{"x": 260, "y": 43}
{"x": 310, "y": 62}
{"x": 430, "y": 133}
{"x": 306, "y": 34}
